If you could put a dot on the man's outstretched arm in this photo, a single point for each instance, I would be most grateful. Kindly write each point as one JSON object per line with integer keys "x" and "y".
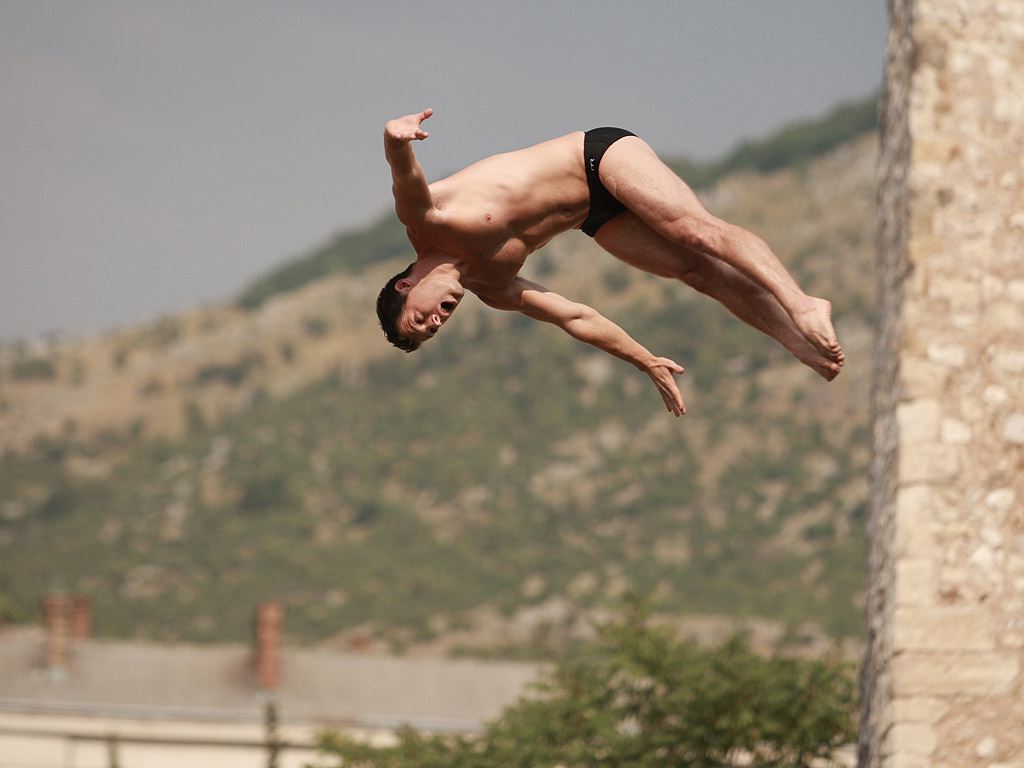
{"x": 409, "y": 182}
{"x": 588, "y": 325}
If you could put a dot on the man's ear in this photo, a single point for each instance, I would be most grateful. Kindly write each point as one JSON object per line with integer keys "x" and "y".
{"x": 405, "y": 285}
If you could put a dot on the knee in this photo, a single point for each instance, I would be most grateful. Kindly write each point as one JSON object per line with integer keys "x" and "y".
{"x": 699, "y": 275}
{"x": 701, "y": 234}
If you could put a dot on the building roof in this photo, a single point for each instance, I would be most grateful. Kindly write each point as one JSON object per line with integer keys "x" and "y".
{"x": 205, "y": 682}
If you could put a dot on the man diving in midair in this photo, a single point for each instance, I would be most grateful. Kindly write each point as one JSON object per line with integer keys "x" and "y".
{"x": 474, "y": 230}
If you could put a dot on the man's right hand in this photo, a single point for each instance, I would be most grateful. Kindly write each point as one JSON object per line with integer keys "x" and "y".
{"x": 408, "y": 128}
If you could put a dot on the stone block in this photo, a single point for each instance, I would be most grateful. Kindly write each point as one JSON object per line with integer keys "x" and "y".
{"x": 946, "y": 285}
{"x": 937, "y": 150}
{"x": 921, "y": 709}
{"x": 1008, "y": 360}
{"x": 929, "y": 463}
{"x": 965, "y": 321}
{"x": 992, "y": 285}
{"x": 919, "y": 420}
{"x": 914, "y": 583}
{"x": 986, "y": 747}
{"x": 986, "y": 562}
{"x": 920, "y": 378}
{"x": 912, "y": 532}
{"x": 943, "y": 629}
{"x": 1000, "y": 500}
{"x": 972, "y": 409}
{"x": 1012, "y": 635}
{"x": 949, "y": 355}
{"x": 904, "y": 760}
{"x": 956, "y": 432}
{"x": 1015, "y": 290}
{"x": 995, "y": 395}
{"x": 1006, "y": 319}
{"x": 1013, "y": 428}
{"x": 952, "y": 674}
{"x": 912, "y": 739}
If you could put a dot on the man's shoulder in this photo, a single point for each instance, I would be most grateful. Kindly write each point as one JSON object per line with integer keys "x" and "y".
{"x": 496, "y": 296}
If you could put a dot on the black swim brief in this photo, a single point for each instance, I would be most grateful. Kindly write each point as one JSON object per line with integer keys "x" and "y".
{"x": 603, "y": 205}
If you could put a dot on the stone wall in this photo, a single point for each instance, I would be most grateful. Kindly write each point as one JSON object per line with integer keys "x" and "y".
{"x": 943, "y": 676}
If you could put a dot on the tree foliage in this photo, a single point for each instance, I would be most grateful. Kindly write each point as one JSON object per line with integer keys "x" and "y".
{"x": 639, "y": 697}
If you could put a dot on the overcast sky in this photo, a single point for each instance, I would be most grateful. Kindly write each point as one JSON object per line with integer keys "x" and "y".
{"x": 159, "y": 155}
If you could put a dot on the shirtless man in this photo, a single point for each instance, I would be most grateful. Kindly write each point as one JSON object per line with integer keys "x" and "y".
{"x": 473, "y": 231}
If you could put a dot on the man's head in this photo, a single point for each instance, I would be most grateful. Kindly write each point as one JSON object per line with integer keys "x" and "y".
{"x": 390, "y": 303}
{"x": 415, "y": 303}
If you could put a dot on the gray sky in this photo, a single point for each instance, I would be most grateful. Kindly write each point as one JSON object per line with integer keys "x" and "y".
{"x": 159, "y": 155}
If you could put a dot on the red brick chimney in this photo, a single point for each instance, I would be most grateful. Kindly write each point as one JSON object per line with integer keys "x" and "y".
{"x": 56, "y": 617}
{"x": 81, "y": 617}
{"x": 269, "y": 620}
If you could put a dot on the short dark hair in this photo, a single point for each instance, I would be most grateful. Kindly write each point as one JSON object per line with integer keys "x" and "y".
{"x": 390, "y": 304}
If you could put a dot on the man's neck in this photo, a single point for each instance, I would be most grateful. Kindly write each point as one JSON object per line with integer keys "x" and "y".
{"x": 435, "y": 263}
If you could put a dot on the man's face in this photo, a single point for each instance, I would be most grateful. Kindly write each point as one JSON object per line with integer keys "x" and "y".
{"x": 429, "y": 302}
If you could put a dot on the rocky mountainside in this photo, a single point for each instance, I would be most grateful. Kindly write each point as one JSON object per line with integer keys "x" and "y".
{"x": 488, "y": 494}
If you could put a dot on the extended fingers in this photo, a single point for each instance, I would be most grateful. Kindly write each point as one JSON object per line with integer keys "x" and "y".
{"x": 672, "y": 397}
{"x": 676, "y": 409}
{"x": 420, "y": 133}
{"x": 671, "y": 406}
{"x": 675, "y": 403}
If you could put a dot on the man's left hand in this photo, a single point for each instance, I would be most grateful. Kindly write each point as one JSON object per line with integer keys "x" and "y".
{"x": 663, "y": 373}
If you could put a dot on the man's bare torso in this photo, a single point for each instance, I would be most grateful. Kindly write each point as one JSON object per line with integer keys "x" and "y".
{"x": 493, "y": 214}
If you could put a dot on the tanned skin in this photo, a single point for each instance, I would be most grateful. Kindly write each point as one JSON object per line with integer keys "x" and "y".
{"x": 474, "y": 230}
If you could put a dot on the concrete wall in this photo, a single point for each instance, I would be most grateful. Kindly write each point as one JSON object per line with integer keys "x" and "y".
{"x": 943, "y": 676}
{"x": 56, "y": 741}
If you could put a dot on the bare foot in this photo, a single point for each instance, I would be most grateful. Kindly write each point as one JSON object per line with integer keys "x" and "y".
{"x": 815, "y": 323}
{"x": 808, "y": 354}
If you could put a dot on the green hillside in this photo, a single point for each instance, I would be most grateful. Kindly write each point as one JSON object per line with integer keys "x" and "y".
{"x": 402, "y": 497}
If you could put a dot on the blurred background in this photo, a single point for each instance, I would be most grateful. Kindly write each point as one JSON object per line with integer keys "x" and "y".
{"x": 226, "y": 503}
{"x": 157, "y": 155}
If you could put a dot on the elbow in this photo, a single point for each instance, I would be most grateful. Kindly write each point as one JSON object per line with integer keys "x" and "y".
{"x": 581, "y": 321}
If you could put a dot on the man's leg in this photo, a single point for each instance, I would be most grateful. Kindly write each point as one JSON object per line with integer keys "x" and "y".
{"x": 635, "y": 175}
{"x": 634, "y": 242}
